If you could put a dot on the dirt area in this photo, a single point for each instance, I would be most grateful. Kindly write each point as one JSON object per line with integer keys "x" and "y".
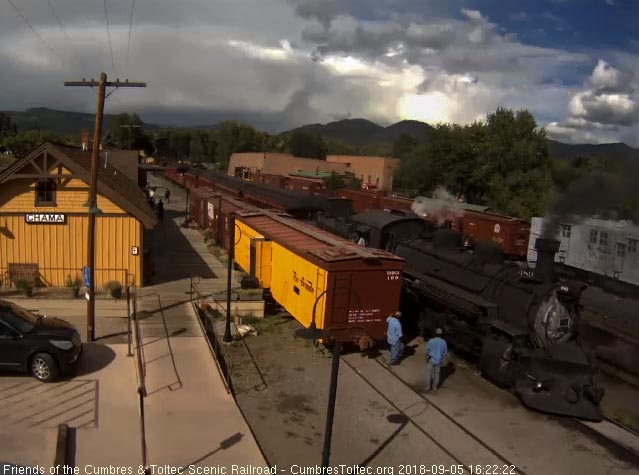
{"x": 281, "y": 384}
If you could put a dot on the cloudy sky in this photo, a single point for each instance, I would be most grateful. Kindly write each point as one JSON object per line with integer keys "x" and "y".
{"x": 282, "y": 63}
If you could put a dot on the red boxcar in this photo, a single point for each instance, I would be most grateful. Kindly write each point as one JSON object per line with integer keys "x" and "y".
{"x": 305, "y": 185}
{"x": 361, "y": 200}
{"x": 395, "y": 204}
{"x": 511, "y": 233}
{"x": 278, "y": 181}
{"x": 200, "y": 209}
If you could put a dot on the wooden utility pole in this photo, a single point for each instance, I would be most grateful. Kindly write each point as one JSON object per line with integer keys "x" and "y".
{"x": 102, "y": 84}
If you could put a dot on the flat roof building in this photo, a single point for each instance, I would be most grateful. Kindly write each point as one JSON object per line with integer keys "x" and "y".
{"x": 374, "y": 172}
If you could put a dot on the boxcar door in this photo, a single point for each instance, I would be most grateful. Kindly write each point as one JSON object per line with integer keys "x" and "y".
{"x": 341, "y": 298}
{"x": 620, "y": 255}
{"x": 253, "y": 257}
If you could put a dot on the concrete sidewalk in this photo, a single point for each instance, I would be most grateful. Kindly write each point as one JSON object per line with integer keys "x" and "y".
{"x": 191, "y": 419}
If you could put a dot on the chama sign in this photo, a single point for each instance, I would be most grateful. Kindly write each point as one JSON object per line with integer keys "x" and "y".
{"x": 45, "y": 218}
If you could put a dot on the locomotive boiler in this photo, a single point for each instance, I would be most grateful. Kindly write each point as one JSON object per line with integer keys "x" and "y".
{"x": 520, "y": 324}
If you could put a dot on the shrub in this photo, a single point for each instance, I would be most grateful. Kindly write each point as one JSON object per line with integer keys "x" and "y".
{"x": 24, "y": 285}
{"x": 113, "y": 285}
{"x": 73, "y": 283}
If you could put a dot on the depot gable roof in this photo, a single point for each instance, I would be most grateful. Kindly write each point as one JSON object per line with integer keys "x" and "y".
{"x": 112, "y": 183}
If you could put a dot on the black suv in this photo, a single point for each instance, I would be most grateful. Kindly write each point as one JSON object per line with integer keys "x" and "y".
{"x": 44, "y": 347}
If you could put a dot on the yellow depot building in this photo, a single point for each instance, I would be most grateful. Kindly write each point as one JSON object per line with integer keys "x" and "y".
{"x": 44, "y": 219}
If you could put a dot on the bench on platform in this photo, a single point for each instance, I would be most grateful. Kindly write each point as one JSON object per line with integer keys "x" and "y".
{"x": 23, "y": 271}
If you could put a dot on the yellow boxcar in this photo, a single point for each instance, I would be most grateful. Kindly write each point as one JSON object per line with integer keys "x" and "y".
{"x": 253, "y": 253}
{"x": 318, "y": 277}
{"x": 298, "y": 285}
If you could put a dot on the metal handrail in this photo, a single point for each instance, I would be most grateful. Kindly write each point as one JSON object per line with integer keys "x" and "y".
{"x": 211, "y": 337}
{"x": 139, "y": 347}
{"x": 75, "y": 272}
{"x": 141, "y": 376}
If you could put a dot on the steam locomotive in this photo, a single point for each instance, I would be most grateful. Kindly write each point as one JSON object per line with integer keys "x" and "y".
{"x": 520, "y": 324}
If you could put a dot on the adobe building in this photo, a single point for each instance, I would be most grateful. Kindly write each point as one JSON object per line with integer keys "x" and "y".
{"x": 278, "y": 164}
{"x": 44, "y": 219}
{"x": 374, "y": 172}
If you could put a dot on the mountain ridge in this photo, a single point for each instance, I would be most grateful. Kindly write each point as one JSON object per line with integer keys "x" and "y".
{"x": 355, "y": 132}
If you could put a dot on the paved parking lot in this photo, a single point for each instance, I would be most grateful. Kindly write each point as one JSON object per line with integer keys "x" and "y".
{"x": 25, "y": 402}
{"x": 30, "y": 411}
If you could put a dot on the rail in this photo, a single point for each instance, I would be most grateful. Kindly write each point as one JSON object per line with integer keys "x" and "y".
{"x": 141, "y": 377}
{"x": 46, "y": 276}
{"x": 205, "y": 318}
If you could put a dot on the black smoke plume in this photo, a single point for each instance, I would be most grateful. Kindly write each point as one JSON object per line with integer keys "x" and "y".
{"x": 598, "y": 195}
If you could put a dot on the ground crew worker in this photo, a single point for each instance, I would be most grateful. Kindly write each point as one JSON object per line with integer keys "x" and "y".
{"x": 436, "y": 350}
{"x": 394, "y": 337}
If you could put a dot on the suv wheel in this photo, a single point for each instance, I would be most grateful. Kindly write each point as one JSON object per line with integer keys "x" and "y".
{"x": 43, "y": 367}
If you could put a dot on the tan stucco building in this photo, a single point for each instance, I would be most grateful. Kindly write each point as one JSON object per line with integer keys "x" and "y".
{"x": 375, "y": 172}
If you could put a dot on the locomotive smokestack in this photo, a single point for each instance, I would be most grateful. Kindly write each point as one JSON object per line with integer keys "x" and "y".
{"x": 545, "y": 268}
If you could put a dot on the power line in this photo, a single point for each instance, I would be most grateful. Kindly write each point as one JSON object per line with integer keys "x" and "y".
{"x": 35, "y": 32}
{"x": 128, "y": 46}
{"x": 106, "y": 15}
{"x": 66, "y": 34}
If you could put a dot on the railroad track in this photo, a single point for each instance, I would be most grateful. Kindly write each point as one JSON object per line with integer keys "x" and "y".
{"x": 489, "y": 452}
{"x": 616, "y": 433}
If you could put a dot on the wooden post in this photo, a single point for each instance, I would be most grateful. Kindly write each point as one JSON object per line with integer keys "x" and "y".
{"x": 102, "y": 84}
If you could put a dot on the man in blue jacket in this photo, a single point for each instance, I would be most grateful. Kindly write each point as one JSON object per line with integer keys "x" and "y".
{"x": 394, "y": 337}
{"x": 436, "y": 350}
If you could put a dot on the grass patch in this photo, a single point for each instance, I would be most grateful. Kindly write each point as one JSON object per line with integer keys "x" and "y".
{"x": 269, "y": 324}
{"x": 250, "y": 320}
{"x": 6, "y": 160}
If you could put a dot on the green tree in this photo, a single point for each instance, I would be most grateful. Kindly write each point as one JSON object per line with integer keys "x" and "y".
{"x": 7, "y": 127}
{"x": 404, "y": 146}
{"x": 307, "y": 144}
{"x": 515, "y": 164}
{"x": 234, "y": 137}
{"x": 334, "y": 147}
{"x": 119, "y": 128}
{"x": 22, "y": 143}
{"x": 417, "y": 173}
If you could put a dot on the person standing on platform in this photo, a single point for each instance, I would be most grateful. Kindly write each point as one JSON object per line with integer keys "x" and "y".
{"x": 160, "y": 210}
{"x": 394, "y": 337}
{"x": 436, "y": 350}
{"x": 167, "y": 195}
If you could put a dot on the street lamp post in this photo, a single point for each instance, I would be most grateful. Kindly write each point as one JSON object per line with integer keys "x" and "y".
{"x": 313, "y": 333}
{"x": 186, "y": 210}
{"x": 330, "y": 410}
